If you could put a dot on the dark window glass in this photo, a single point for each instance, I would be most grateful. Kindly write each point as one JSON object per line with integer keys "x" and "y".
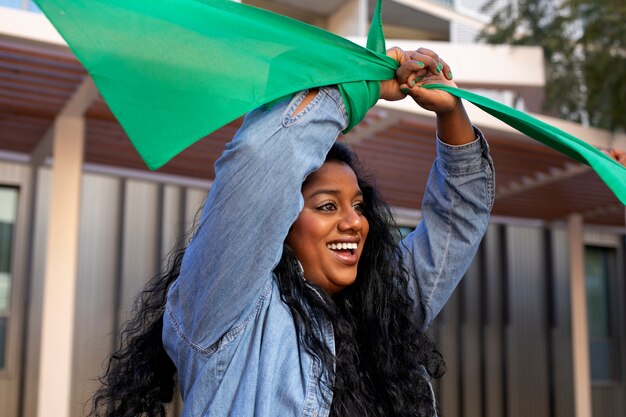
{"x": 3, "y": 341}
{"x": 8, "y": 211}
{"x": 598, "y": 303}
{"x": 602, "y": 296}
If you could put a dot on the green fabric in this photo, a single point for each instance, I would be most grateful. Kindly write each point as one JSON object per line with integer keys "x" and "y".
{"x": 173, "y": 71}
{"x": 609, "y": 170}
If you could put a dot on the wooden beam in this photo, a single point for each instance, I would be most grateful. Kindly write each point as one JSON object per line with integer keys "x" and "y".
{"x": 82, "y": 98}
{"x": 76, "y": 106}
{"x": 541, "y": 179}
{"x": 600, "y": 211}
{"x": 43, "y": 149}
{"x": 580, "y": 330}
{"x": 377, "y": 120}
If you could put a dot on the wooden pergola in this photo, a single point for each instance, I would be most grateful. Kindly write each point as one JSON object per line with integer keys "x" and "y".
{"x": 37, "y": 84}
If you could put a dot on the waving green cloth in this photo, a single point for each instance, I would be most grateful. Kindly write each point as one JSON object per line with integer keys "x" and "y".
{"x": 173, "y": 71}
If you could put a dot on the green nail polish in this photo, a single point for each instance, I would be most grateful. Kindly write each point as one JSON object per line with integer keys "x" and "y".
{"x": 420, "y": 63}
{"x": 450, "y": 74}
{"x": 439, "y": 67}
{"x": 419, "y": 78}
{"x": 405, "y": 90}
{"x": 413, "y": 83}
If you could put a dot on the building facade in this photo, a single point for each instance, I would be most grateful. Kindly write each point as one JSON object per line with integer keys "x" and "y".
{"x": 537, "y": 326}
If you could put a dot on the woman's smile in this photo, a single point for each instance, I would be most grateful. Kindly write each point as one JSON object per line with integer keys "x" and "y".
{"x": 346, "y": 251}
{"x": 330, "y": 232}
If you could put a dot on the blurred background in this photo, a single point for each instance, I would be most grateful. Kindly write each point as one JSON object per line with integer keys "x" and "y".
{"x": 536, "y": 328}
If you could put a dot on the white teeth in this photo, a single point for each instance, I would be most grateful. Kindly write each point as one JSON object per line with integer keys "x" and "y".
{"x": 342, "y": 246}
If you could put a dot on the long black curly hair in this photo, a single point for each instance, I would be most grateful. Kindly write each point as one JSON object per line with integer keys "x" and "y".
{"x": 383, "y": 361}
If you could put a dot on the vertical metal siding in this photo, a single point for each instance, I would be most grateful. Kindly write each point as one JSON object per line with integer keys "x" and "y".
{"x": 494, "y": 326}
{"x": 505, "y": 333}
{"x": 96, "y": 292}
{"x": 471, "y": 341}
{"x": 449, "y": 345}
{"x": 36, "y": 293}
{"x": 527, "y": 348}
{"x": 561, "y": 332}
{"x": 140, "y": 241}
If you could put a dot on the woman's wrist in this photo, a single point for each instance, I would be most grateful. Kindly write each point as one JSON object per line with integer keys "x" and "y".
{"x": 454, "y": 126}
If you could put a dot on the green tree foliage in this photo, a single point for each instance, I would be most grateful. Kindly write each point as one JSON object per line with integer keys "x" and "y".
{"x": 584, "y": 43}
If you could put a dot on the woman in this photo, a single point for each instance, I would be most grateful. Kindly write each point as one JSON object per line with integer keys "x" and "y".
{"x": 293, "y": 298}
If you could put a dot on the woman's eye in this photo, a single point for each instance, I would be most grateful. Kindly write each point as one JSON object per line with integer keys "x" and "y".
{"x": 359, "y": 207}
{"x": 326, "y": 207}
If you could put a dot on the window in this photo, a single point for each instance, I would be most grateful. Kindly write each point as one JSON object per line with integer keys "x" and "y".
{"x": 20, "y": 4}
{"x": 602, "y": 302}
{"x": 8, "y": 212}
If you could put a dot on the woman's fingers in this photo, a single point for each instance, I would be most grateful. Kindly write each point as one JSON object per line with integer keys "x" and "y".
{"x": 415, "y": 69}
{"x": 432, "y": 62}
{"x": 411, "y": 72}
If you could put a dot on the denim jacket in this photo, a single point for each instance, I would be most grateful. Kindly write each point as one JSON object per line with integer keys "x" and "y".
{"x": 232, "y": 338}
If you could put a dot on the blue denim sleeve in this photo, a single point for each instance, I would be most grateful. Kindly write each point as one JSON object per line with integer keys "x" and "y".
{"x": 255, "y": 198}
{"x": 455, "y": 213}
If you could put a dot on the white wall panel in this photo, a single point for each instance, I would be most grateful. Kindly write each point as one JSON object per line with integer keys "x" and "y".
{"x": 36, "y": 292}
{"x": 140, "y": 241}
{"x": 96, "y": 292}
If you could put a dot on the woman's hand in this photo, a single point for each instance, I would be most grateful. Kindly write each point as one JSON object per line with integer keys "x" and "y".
{"x": 409, "y": 72}
{"x": 390, "y": 89}
{"x": 421, "y": 67}
{"x": 617, "y": 154}
{"x": 434, "y": 71}
{"x": 453, "y": 124}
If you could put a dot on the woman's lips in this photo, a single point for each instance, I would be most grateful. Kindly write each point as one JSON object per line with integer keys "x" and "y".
{"x": 347, "y": 257}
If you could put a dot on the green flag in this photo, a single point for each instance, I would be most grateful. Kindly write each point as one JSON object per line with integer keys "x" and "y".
{"x": 609, "y": 170}
{"x": 173, "y": 71}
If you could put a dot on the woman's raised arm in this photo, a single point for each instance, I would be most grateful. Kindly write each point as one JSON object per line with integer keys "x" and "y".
{"x": 254, "y": 200}
{"x": 458, "y": 196}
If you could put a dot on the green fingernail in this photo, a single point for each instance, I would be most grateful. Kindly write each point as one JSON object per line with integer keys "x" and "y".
{"x": 413, "y": 83}
{"x": 405, "y": 90}
{"x": 439, "y": 67}
{"x": 450, "y": 74}
{"x": 419, "y": 78}
{"x": 420, "y": 63}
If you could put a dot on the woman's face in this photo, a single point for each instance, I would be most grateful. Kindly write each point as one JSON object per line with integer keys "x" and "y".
{"x": 330, "y": 232}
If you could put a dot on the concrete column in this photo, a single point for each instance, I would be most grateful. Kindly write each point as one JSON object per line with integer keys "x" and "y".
{"x": 57, "y": 328}
{"x": 350, "y": 19}
{"x": 580, "y": 329}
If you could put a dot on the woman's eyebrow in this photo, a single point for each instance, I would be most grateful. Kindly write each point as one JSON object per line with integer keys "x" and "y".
{"x": 359, "y": 193}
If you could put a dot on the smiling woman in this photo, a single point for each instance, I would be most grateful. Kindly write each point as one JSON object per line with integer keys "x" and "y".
{"x": 330, "y": 232}
{"x": 293, "y": 297}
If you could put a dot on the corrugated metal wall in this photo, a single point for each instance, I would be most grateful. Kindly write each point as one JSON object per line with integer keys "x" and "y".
{"x": 505, "y": 334}
{"x": 127, "y": 229}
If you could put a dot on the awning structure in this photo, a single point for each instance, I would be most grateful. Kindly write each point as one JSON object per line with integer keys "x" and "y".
{"x": 37, "y": 81}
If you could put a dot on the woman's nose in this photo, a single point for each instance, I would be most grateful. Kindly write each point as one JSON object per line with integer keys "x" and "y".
{"x": 350, "y": 220}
